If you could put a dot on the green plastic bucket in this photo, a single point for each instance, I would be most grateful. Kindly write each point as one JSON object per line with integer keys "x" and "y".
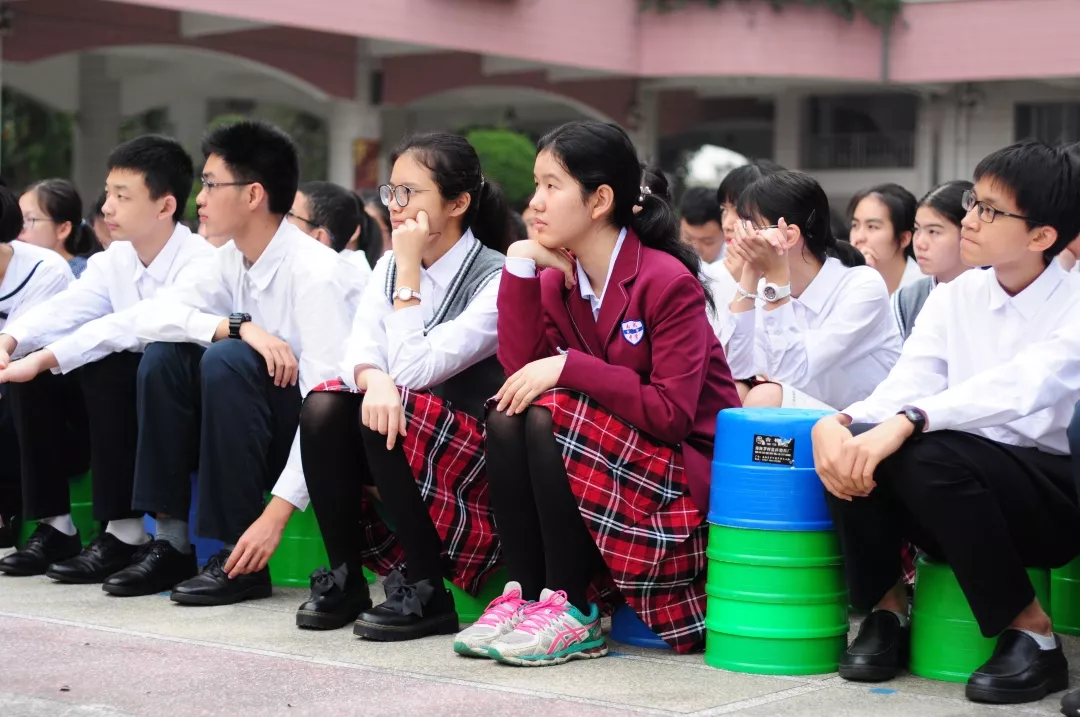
{"x": 469, "y": 608}
{"x": 946, "y": 643}
{"x": 776, "y": 601}
{"x": 775, "y": 567}
{"x": 1065, "y": 598}
{"x": 301, "y": 553}
{"x": 82, "y": 511}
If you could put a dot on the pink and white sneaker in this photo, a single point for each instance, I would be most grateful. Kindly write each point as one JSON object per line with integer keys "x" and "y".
{"x": 500, "y": 617}
{"x": 551, "y": 632}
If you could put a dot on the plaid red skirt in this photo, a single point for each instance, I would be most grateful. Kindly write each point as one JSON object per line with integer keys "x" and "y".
{"x": 635, "y": 500}
{"x": 445, "y": 449}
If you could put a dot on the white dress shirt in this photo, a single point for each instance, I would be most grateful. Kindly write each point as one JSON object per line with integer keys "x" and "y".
{"x": 299, "y": 290}
{"x": 395, "y": 342}
{"x": 526, "y": 269}
{"x": 724, "y": 287}
{"x": 92, "y": 318}
{"x": 978, "y": 360}
{"x": 18, "y": 295}
{"x": 835, "y": 342}
{"x": 359, "y": 260}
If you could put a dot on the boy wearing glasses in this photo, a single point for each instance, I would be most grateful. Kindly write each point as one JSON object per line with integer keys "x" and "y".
{"x": 969, "y": 457}
{"x": 238, "y": 347}
{"x": 86, "y": 333}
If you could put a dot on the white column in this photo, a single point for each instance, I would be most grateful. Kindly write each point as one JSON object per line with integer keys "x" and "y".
{"x": 351, "y": 120}
{"x": 188, "y": 117}
{"x": 97, "y": 124}
{"x": 646, "y": 135}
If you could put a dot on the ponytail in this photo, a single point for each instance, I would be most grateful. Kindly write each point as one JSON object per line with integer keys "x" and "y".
{"x": 370, "y": 241}
{"x": 82, "y": 241}
{"x": 490, "y": 221}
{"x": 847, "y": 254}
{"x": 595, "y": 154}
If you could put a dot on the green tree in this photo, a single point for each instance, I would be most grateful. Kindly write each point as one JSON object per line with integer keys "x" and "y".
{"x": 37, "y": 140}
{"x": 507, "y": 158}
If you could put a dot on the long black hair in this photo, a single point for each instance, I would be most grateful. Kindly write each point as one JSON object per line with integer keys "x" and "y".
{"x": 737, "y": 180}
{"x": 946, "y": 199}
{"x": 11, "y": 219}
{"x": 901, "y": 206}
{"x": 455, "y": 168}
{"x": 595, "y": 154}
{"x": 800, "y": 201}
{"x": 59, "y": 199}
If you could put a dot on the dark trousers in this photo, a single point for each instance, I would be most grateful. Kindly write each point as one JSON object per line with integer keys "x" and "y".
{"x": 340, "y": 457}
{"x": 1074, "y": 446}
{"x": 54, "y": 441}
{"x": 987, "y": 509}
{"x": 215, "y": 410}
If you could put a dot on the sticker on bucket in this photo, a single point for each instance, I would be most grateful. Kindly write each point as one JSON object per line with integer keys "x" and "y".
{"x": 774, "y": 449}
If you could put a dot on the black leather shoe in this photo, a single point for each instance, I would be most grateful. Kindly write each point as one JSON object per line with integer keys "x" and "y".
{"x": 879, "y": 652}
{"x": 156, "y": 567}
{"x": 1019, "y": 671}
{"x": 1070, "y": 704}
{"x": 411, "y": 611}
{"x": 213, "y": 587}
{"x": 105, "y": 555}
{"x": 9, "y": 531}
{"x": 46, "y": 546}
{"x": 337, "y": 598}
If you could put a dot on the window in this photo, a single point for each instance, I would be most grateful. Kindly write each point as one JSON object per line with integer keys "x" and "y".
{"x": 1052, "y": 122}
{"x": 859, "y": 132}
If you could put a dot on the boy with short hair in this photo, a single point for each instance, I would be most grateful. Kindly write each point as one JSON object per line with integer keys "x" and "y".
{"x": 88, "y": 329}
{"x": 969, "y": 456}
{"x": 239, "y": 347}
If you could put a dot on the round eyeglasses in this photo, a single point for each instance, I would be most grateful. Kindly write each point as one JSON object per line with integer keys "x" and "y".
{"x": 400, "y": 194}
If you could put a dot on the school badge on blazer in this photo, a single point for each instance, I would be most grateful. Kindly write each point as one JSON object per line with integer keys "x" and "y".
{"x": 633, "y": 331}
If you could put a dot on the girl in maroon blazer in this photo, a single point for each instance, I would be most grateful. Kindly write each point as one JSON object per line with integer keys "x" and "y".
{"x": 599, "y": 443}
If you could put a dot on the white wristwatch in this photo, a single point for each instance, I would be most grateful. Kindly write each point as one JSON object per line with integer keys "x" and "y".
{"x": 404, "y": 293}
{"x": 773, "y": 293}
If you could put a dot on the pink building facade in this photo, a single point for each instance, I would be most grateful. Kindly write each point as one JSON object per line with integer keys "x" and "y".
{"x": 854, "y": 103}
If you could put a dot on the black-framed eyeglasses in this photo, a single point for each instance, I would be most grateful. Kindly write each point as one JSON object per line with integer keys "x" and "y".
{"x": 208, "y": 185}
{"x": 31, "y": 221}
{"x": 988, "y": 213}
{"x": 400, "y": 194}
{"x": 310, "y": 223}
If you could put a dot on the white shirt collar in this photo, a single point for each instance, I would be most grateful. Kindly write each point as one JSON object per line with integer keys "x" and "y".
{"x": 159, "y": 267}
{"x": 817, "y": 292}
{"x": 443, "y": 271}
{"x": 585, "y": 286}
{"x": 263, "y": 270}
{"x": 1034, "y": 297}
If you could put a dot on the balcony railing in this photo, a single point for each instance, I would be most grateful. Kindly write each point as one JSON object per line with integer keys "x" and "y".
{"x": 868, "y": 150}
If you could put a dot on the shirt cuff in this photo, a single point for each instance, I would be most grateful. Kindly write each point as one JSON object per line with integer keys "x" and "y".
{"x": 521, "y": 267}
{"x": 291, "y": 485}
{"x": 408, "y": 321}
{"x": 202, "y": 327}
{"x": 775, "y": 321}
{"x": 69, "y": 356}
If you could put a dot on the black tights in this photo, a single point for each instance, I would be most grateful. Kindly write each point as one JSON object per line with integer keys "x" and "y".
{"x": 544, "y": 539}
{"x": 340, "y": 456}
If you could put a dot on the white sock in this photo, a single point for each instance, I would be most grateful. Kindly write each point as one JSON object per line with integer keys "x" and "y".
{"x": 1046, "y": 642}
{"x": 903, "y": 618}
{"x": 62, "y": 523}
{"x": 128, "y": 530}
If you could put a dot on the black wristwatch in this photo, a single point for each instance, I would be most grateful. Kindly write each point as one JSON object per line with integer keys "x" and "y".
{"x": 235, "y": 322}
{"x": 917, "y": 418}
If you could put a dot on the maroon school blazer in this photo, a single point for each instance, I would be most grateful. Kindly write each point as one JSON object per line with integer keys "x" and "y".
{"x": 651, "y": 357}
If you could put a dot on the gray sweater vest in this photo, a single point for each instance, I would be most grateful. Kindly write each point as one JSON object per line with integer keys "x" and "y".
{"x": 469, "y": 389}
{"x": 908, "y": 302}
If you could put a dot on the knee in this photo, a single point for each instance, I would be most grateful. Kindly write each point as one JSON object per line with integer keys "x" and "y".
{"x": 157, "y": 359}
{"x": 765, "y": 395}
{"x": 321, "y": 411}
{"x": 224, "y": 359}
{"x": 503, "y": 429}
{"x": 922, "y": 464}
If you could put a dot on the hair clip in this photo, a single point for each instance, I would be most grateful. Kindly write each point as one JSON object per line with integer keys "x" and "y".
{"x": 645, "y": 190}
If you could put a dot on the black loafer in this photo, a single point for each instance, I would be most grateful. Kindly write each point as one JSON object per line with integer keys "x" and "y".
{"x": 1070, "y": 704}
{"x": 337, "y": 598}
{"x": 156, "y": 567}
{"x": 1019, "y": 671}
{"x": 105, "y": 556}
{"x": 879, "y": 652}
{"x": 46, "y": 546}
{"x": 411, "y": 611}
{"x": 214, "y": 587}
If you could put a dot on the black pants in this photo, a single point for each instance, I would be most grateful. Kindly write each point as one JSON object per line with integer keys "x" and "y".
{"x": 54, "y": 441}
{"x": 1074, "y": 446}
{"x": 340, "y": 457}
{"x": 988, "y": 509}
{"x": 544, "y": 540}
{"x": 10, "y": 488}
{"x": 216, "y": 410}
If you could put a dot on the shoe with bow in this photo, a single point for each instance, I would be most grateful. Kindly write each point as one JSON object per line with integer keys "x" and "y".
{"x": 337, "y": 598}
{"x": 411, "y": 611}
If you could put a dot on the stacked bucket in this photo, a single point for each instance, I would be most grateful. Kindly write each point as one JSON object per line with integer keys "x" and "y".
{"x": 82, "y": 511}
{"x": 1065, "y": 598}
{"x": 777, "y": 603}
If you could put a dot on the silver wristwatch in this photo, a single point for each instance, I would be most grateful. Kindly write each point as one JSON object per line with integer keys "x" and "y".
{"x": 404, "y": 293}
